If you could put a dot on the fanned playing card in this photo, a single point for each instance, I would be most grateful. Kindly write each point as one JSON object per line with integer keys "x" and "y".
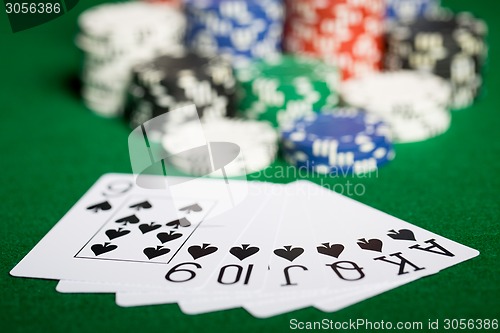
{"x": 122, "y": 233}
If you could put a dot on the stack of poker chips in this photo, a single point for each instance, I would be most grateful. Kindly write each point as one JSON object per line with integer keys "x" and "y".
{"x": 409, "y": 10}
{"x": 115, "y": 37}
{"x": 450, "y": 46}
{"x": 256, "y": 147}
{"x": 172, "y": 81}
{"x": 347, "y": 33}
{"x": 242, "y": 30}
{"x": 414, "y": 104}
{"x": 345, "y": 141}
{"x": 284, "y": 88}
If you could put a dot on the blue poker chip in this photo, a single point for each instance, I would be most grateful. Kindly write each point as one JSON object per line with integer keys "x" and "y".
{"x": 344, "y": 138}
{"x": 241, "y": 30}
{"x": 333, "y": 157}
{"x": 346, "y": 126}
{"x": 323, "y": 147}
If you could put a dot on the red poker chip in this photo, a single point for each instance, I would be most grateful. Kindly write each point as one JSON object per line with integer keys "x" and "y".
{"x": 347, "y": 33}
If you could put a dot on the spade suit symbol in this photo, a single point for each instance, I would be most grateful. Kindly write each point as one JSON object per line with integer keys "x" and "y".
{"x": 333, "y": 250}
{"x": 244, "y": 251}
{"x": 183, "y": 222}
{"x": 145, "y": 228}
{"x": 197, "y": 251}
{"x": 191, "y": 208}
{"x": 371, "y": 244}
{"x": 112, "y": 234}
{"x": 289, "y": 253}
{"x": 128, "y": 219}
{"x": 168, "y": 236}
{"x": 100, "y": 206}
{"x": 102, "y": 248}
{"x": 153, "y": 252}
{"x": 401, "y": 234}
{"x": 143, "y": 205}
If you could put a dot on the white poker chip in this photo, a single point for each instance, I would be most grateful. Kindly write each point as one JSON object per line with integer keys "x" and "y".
{"x": 257, "y": 142}
{"x": 114, "y": 38}
{"x": 433, "y": 122}
{"x": 401, "y": 87}
{"x": 128, "y": 20}
{"x": 414, "y": 104}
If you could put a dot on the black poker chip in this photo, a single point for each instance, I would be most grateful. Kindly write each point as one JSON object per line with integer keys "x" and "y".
{"x": 452, "y": 46}
{"x": 172, "y": 81}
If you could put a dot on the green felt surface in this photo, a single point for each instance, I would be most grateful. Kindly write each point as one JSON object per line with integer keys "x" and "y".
{"x": 53, "y": 149}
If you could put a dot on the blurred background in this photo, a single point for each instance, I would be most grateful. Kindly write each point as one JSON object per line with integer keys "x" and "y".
{"x": 407, "y": 67}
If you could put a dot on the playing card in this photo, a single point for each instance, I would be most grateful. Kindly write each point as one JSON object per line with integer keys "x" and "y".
{"x": 90, "y": 242}
{"x": 361, "y": 247}
{"x": 243, "y": 270}
{"x": 138, "y": 233}
{"x": 261, "y": 234}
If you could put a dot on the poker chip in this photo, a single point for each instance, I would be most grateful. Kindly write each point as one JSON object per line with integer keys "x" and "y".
{"x": 257, "y": 142}
{"x": 114, "y": 38}
{"x": 414, "y": 104}
{"x": 343, "y": 140}
{"x": 284, "y": 88}
{"x": 241, "y": 30}
{"x": 450, "y": 46}
{"x": 172, "y": 81}
{"x": 409, "y": 10}
{"x": 347, "y": 33}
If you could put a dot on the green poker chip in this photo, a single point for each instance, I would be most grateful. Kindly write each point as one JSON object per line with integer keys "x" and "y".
{"x": 284, "y": 88}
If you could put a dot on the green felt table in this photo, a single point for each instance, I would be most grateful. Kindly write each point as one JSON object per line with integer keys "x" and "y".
{"x": 53, "y": 149}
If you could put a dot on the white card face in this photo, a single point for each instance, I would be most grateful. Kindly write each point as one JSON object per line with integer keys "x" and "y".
{"x": 359, "y": 246}
{"x": 294, "y": 268}
{"x": 245, "y": 265}
{"x": 194, "y": 265}
{"x": 243, "y": 269}
{"x": 66, "y": 251}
